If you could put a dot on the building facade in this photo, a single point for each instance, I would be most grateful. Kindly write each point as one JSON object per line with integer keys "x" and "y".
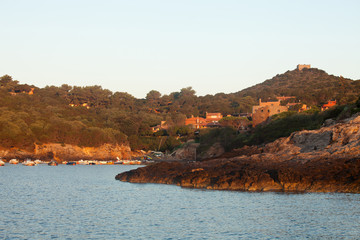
{"x": 302, "y": 66}
{"x": 211, "y": 120}
{"x": 196, "y": 122}
{"x": 264, "y": 110}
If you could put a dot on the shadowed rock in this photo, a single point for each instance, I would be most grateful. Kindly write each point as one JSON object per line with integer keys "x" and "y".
{"x": 320, "y": 175}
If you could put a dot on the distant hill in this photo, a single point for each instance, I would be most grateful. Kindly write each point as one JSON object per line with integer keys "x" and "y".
{"x": 312, "y": 86}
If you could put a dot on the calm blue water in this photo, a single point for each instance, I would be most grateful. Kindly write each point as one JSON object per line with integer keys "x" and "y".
{"x": 85, "y": 202}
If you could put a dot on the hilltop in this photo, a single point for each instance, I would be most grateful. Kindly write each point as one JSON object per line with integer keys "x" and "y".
{"x": 312, "y": 86}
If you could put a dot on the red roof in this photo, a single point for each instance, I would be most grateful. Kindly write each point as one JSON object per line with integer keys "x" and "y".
{"x": 329, "y": 104}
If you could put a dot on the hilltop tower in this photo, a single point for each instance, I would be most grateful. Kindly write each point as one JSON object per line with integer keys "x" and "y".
{"x": 302, "y": 66}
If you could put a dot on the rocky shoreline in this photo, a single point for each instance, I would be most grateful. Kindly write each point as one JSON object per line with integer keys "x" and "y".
{"x": 324, "y": 160}
{"x": 66, "y": 152}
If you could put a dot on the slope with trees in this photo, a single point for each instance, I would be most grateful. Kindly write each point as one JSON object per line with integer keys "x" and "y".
{"x": 91, "y": 116}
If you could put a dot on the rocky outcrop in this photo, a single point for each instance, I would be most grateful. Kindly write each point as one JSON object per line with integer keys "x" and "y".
{"x": 215, "y": 151}
{"x": 70, "y": 152}
{"x": 62, "y": 152}
{"x": 188, "y": 151}
{"x": 324, "y": 160}
{"x": 338, "y": 140}
{"x": 320, "y": 175}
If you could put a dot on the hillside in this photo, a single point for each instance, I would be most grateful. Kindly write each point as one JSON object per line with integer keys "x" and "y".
{"x": 312, "y": 86}
{"x": 92, "y": 116}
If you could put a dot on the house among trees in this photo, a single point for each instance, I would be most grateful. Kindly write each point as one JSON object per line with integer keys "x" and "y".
{"x": 328, "y": 105}
{"x": 162, "y": 126}
{"x": 196, "y": 122}
{"x": 264, "y": 110}
{"x": 211, "y": 120}
{"x": 292, "y": 105}
{"x": 300, "y": 107}
{"x": 213, "y": 117}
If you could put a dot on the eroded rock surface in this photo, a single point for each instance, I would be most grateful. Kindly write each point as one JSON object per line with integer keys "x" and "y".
{"x": 321, "y": 175}
{"x": 69, "y": 152}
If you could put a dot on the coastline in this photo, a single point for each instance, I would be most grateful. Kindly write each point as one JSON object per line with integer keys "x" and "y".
{"x": 320, "y": 175}
{"x": 323, "y": 160}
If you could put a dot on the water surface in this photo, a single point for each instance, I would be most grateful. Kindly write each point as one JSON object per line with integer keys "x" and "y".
{"x": 86, "y": 202}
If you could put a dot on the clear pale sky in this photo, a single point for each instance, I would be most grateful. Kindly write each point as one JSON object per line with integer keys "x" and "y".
{"x": 136, "y": 46}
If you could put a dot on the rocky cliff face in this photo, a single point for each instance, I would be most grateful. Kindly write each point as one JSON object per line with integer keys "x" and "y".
{"x": 335, "y": 141}
{"x": 324, "y": 160}
{"x": 67, "y": 152}
{"x": 189, "y": 152}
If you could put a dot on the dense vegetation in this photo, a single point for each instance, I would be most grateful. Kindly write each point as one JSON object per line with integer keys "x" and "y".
{"x": 91, "y": 116}
{"x": 311, "y": 86}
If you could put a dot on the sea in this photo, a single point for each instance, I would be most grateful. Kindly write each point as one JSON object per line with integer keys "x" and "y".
{"x": 86, "y": 202}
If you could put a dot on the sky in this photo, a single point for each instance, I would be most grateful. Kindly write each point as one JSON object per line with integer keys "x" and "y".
{"x": 136, "y": 46}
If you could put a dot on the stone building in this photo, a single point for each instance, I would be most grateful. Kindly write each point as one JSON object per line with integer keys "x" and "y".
{"x": 302, "y": 66}
{"x": 266, "y": 109}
